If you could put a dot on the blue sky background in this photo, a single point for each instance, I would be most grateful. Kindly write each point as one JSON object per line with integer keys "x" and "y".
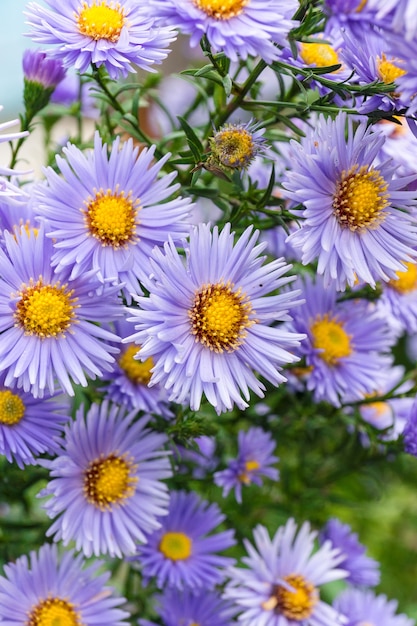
{"x": 12, "y": 45}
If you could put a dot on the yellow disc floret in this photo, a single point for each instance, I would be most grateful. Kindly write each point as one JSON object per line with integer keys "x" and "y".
{"x": 176, "y": 546}
{"x": 388, "y": 71}
{"x": 111, "y": 218}
{"x": 360, "y": 198}
{"x": 233, "y": 147}
{"x": 137, "y": 371}
{"x": 295, "y": 602}
{"x": 221, "y": 9}
{"x": 250, "y": 466}
{"x": 12, "y": 408}
{"x": 406, "y": 280}
{"x": 318, "y": 54}
{"x": 219, "y": 317}
{"x": 54, "y": 612}
{"x": 109, "y": 481}
{"x": 45, "y": 310}
{"x": 101, "y": 20}
{"x": 329, "y": 336}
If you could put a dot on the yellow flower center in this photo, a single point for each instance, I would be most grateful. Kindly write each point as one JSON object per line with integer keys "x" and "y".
{"x": 101, "y": 20}
{"x": 233, "y": 147}
{"x": 176, "y": 546}
{"x": 219, "y": 317}
{"x": 111, "y": 218}
{"x": 12, "y": 408}
{"x": 54, "y": 612}
{"x": 360, "y": 198}
{"x": 250, "y": 466}
{"x": 318, "y": 54}
{"x": 136, "y": 371}
{"x": 296, "y": 603}
{"x": 109, "y": 481}
{"x": 407, "y": 280}
{"x": 330, "y": 337}
{"x": 388, "y": 72}
{"x": 221, "y": 9}
{"x": 45, "y": 310}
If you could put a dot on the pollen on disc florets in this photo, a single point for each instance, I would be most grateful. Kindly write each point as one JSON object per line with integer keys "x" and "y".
{"x": 360, "y": 197}
{"x": 233, "y": 147}
{"x": 176, "y": 546}
{"x": 138, "y": 372}
{"x": 108, "y": 481}
{"x": 318, "y": 54}
{"x": 101, "y": 20}
{"x": 295, "y": 601}
{"x": 111, "y": 217}
{"x": 45, "y": 310}
{"x": 54, "y": 611}
{"x": 220, "y": 316}
{"x": 12, "y": 408}
{"x": 221, "y": 9}
{"x": 330, "y": 337}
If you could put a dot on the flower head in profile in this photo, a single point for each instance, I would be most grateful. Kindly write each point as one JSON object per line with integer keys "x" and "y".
{"x": 254, "y": 460}
{"x": 50, "y": 328}
{"x": 46, "y": 589}
{"x": 365, "y": 607}
{"x": 234, "y": 146}
{"x": 281, "y": 582}
{"x": 107, "y": 212}
{"x": 116, "y": 35}
{"x": 128, "y": 382}
{"x": 347, "y": 346}
{"x": 183, "y": 552}
{"x": 358, "y": 221}
{"x": 205, "y": 608}
{"x": 41, "y": 76}
{"x": 106, "y": 490}
{"x": 362, "y": 569}
{"x": 207, "y": 322}
{"x": 29, "y": 426}
{"x": 239, "y": 28}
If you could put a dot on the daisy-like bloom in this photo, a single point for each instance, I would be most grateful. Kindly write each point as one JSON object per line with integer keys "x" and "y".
{"x": 182, "y": 553}
{"x": 205, "y": 608}
{"x": 406, "y": 82}
{"x": 46, "y": 590}
{"x": 348, "y": 344}
{"x": 29, "y": 426}
{"x": 362, "y": 569}
{"x": 398, "y": 300}
{"x": 280, "y": 584}
{"x": 358, "y": 221}
{"x": 363, "y": 608}
{"x": 118, "y": 35}
{"x": 234, "y": 146}
{"x": 128, "y": 383}
{"x": 106, "y": 213}
{"x": 239, "y": 28}
{"x": 106, "y": 490}
{"x": 254, "y": 460}
{"x": 207, "y": 322}
{"x": 39, "y": 69}
{"x": 50, "y": 328}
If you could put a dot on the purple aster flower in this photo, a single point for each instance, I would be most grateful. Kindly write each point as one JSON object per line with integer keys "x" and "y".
{"x": 182, "y": 553}
{"x": 406, "y": 82}
{"x": 362, "y": 569}
{"x": 239, "y": 28}
{"x": 280, "y": 584}
{"x": 106, "y": 484}
{"x": 50, "y": 328}
{"x": 205, "y": 608}
{"x": 358, "y": 219}
{"x": 106, "y": 213}
{"x": 398, "y": 301}
{"x": 117, "y": 35}
{"x": 364, "y": 607}
{"x": 29, "y": 426}
{"x": 348, "y": 344}
{"x": 208, "y": 322}
{"x": 400, "y": 16}
{"x": 254, "y": 460}
{"x": 128, "y": 383}
{"x": 410, "y": 431}
{"x": 38, "y": 68}
{"x": 45, "y": 589}
{"x": 234, "y": 146}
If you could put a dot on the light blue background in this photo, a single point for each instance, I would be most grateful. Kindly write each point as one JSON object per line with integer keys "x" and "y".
{"x": 12, "y": 44}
